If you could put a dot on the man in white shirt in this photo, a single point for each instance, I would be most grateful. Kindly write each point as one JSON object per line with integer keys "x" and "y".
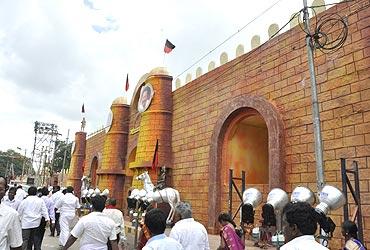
{"x": 117, "y": 216}
{"x": 20, "y": 194}
{"x": 155, "y": 221}
{"x": 57, "y": 194}
{"x": 10, "y": 230}
{"x": 67, "y": 205}
{"x": 94, "y": 229}
{"x": 40, "y": 231}
{"x": 299, "y": 227}
{"x": 190, "y": 233}
{"x": 10, "y": 200}
{"x": 31, "y": 210}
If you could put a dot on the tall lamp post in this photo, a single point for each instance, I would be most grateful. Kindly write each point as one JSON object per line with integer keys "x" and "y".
{"x": 315, "y": 103}
{"x": 24, "y": 161}
{"x": 64, "y": 158}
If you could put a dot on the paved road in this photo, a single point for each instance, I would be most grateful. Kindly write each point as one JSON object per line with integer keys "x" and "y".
{"x": 51, "y": 243}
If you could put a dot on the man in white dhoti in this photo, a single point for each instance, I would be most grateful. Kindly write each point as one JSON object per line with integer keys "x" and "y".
{"x": 68, "y": 205}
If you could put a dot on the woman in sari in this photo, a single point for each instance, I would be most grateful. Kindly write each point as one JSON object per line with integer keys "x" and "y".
{"x": 349, "y": 231}
{"x": 230, "y": 240}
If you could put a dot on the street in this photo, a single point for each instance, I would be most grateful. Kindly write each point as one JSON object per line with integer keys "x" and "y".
{"x": 214, "y": 240}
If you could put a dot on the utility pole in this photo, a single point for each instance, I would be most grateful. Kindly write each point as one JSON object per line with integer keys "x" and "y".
{"x": 64, "y": 157}
{"x": 39, "y": 169}
{"x": 315, "y": 103}
{"x": 7, "y": 169}
{"x": 24, "y": 161}
{"x": 45, "y": 167}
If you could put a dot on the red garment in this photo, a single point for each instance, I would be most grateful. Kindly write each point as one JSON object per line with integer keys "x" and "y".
{"x": 144, "y": 237}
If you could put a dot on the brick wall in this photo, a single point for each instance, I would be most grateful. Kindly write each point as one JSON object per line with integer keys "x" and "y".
{"x": 94, "y": 148}
{"x": 278, "y": 72}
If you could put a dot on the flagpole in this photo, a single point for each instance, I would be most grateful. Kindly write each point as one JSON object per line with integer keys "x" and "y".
{"x": 164, "y": 56}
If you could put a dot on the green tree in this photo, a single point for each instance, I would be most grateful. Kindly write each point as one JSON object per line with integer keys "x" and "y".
{"x": 12, "y": 158}
{"x": 60, "y": 148}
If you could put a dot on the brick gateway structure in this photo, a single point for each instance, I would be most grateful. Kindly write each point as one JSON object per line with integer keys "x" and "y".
{"x": 253, "y": 114}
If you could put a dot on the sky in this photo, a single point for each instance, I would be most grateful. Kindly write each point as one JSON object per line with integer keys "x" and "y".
{"x": 56, "y": 55}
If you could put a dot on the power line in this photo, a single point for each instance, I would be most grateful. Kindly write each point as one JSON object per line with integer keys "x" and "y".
{"x": 254, "y": 19}
{"x": 291, "y": 19}
{"x": 226, "y": 69}
{"x": 231, "y": 36}
{"x": 330, "y": 4}
{"x": 253, "y": 52}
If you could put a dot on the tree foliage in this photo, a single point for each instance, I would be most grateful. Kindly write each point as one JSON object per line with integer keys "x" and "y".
{"x": 12, "y": 158}
{"x": 60, "y": 148}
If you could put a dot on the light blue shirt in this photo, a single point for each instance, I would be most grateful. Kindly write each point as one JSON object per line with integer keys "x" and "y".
{"x": 162, "y": 242}
{"x": 50, "y": 206}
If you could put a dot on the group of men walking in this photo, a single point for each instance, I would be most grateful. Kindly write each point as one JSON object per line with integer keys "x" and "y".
{"x": 24, "y": 217}
{"x": 27, "y": 214}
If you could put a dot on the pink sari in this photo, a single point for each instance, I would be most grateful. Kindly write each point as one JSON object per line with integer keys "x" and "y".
{"x": 232, "y": 240}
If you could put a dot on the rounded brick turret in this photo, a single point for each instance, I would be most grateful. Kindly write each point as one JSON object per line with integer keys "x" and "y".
{"x": 155, "y": 124}
{"x": 77, "y": 163}
{"x": 111, "y": 173}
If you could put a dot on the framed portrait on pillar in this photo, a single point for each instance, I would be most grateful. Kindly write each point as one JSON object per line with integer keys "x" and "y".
{"x": 146, "y": 96}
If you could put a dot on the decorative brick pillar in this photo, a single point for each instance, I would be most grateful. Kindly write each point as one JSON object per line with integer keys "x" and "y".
{"x": 156, "y": 123}
{"x": 77, "y": 163}
{"x": 111, "y": 173}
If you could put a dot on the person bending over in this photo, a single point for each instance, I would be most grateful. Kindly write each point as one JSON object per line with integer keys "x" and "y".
{"x": 349, "y": 231}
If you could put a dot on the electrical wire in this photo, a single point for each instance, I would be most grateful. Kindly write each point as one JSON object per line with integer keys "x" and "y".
{"x": 331, "y": 4}
{"x": 321, "y": 39}
{"x": 277, "y": 32}
{"x": 332, "y": 43}
{"x": 231, "y": 36}
{"x": 250, "y": 55}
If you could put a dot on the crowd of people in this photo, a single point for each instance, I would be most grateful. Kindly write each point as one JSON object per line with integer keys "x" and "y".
{"x": 24, "y": 217}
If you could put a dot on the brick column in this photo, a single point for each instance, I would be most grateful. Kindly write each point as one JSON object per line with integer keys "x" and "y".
{"x": 77, "y": 163}
{"x": 156, "y": 123}
{"x": 111, "y": 173}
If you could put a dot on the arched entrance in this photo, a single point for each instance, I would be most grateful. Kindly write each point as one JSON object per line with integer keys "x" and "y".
{"x": 248, "y": 136}
{"x": 245, "y": 147}
{"x": 94, "y": 167}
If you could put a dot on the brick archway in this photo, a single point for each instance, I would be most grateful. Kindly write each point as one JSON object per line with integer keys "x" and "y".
{"x": 239, "y": 106}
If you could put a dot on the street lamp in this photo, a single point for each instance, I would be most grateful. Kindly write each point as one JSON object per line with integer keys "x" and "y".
{"x": 24, "y": 161}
